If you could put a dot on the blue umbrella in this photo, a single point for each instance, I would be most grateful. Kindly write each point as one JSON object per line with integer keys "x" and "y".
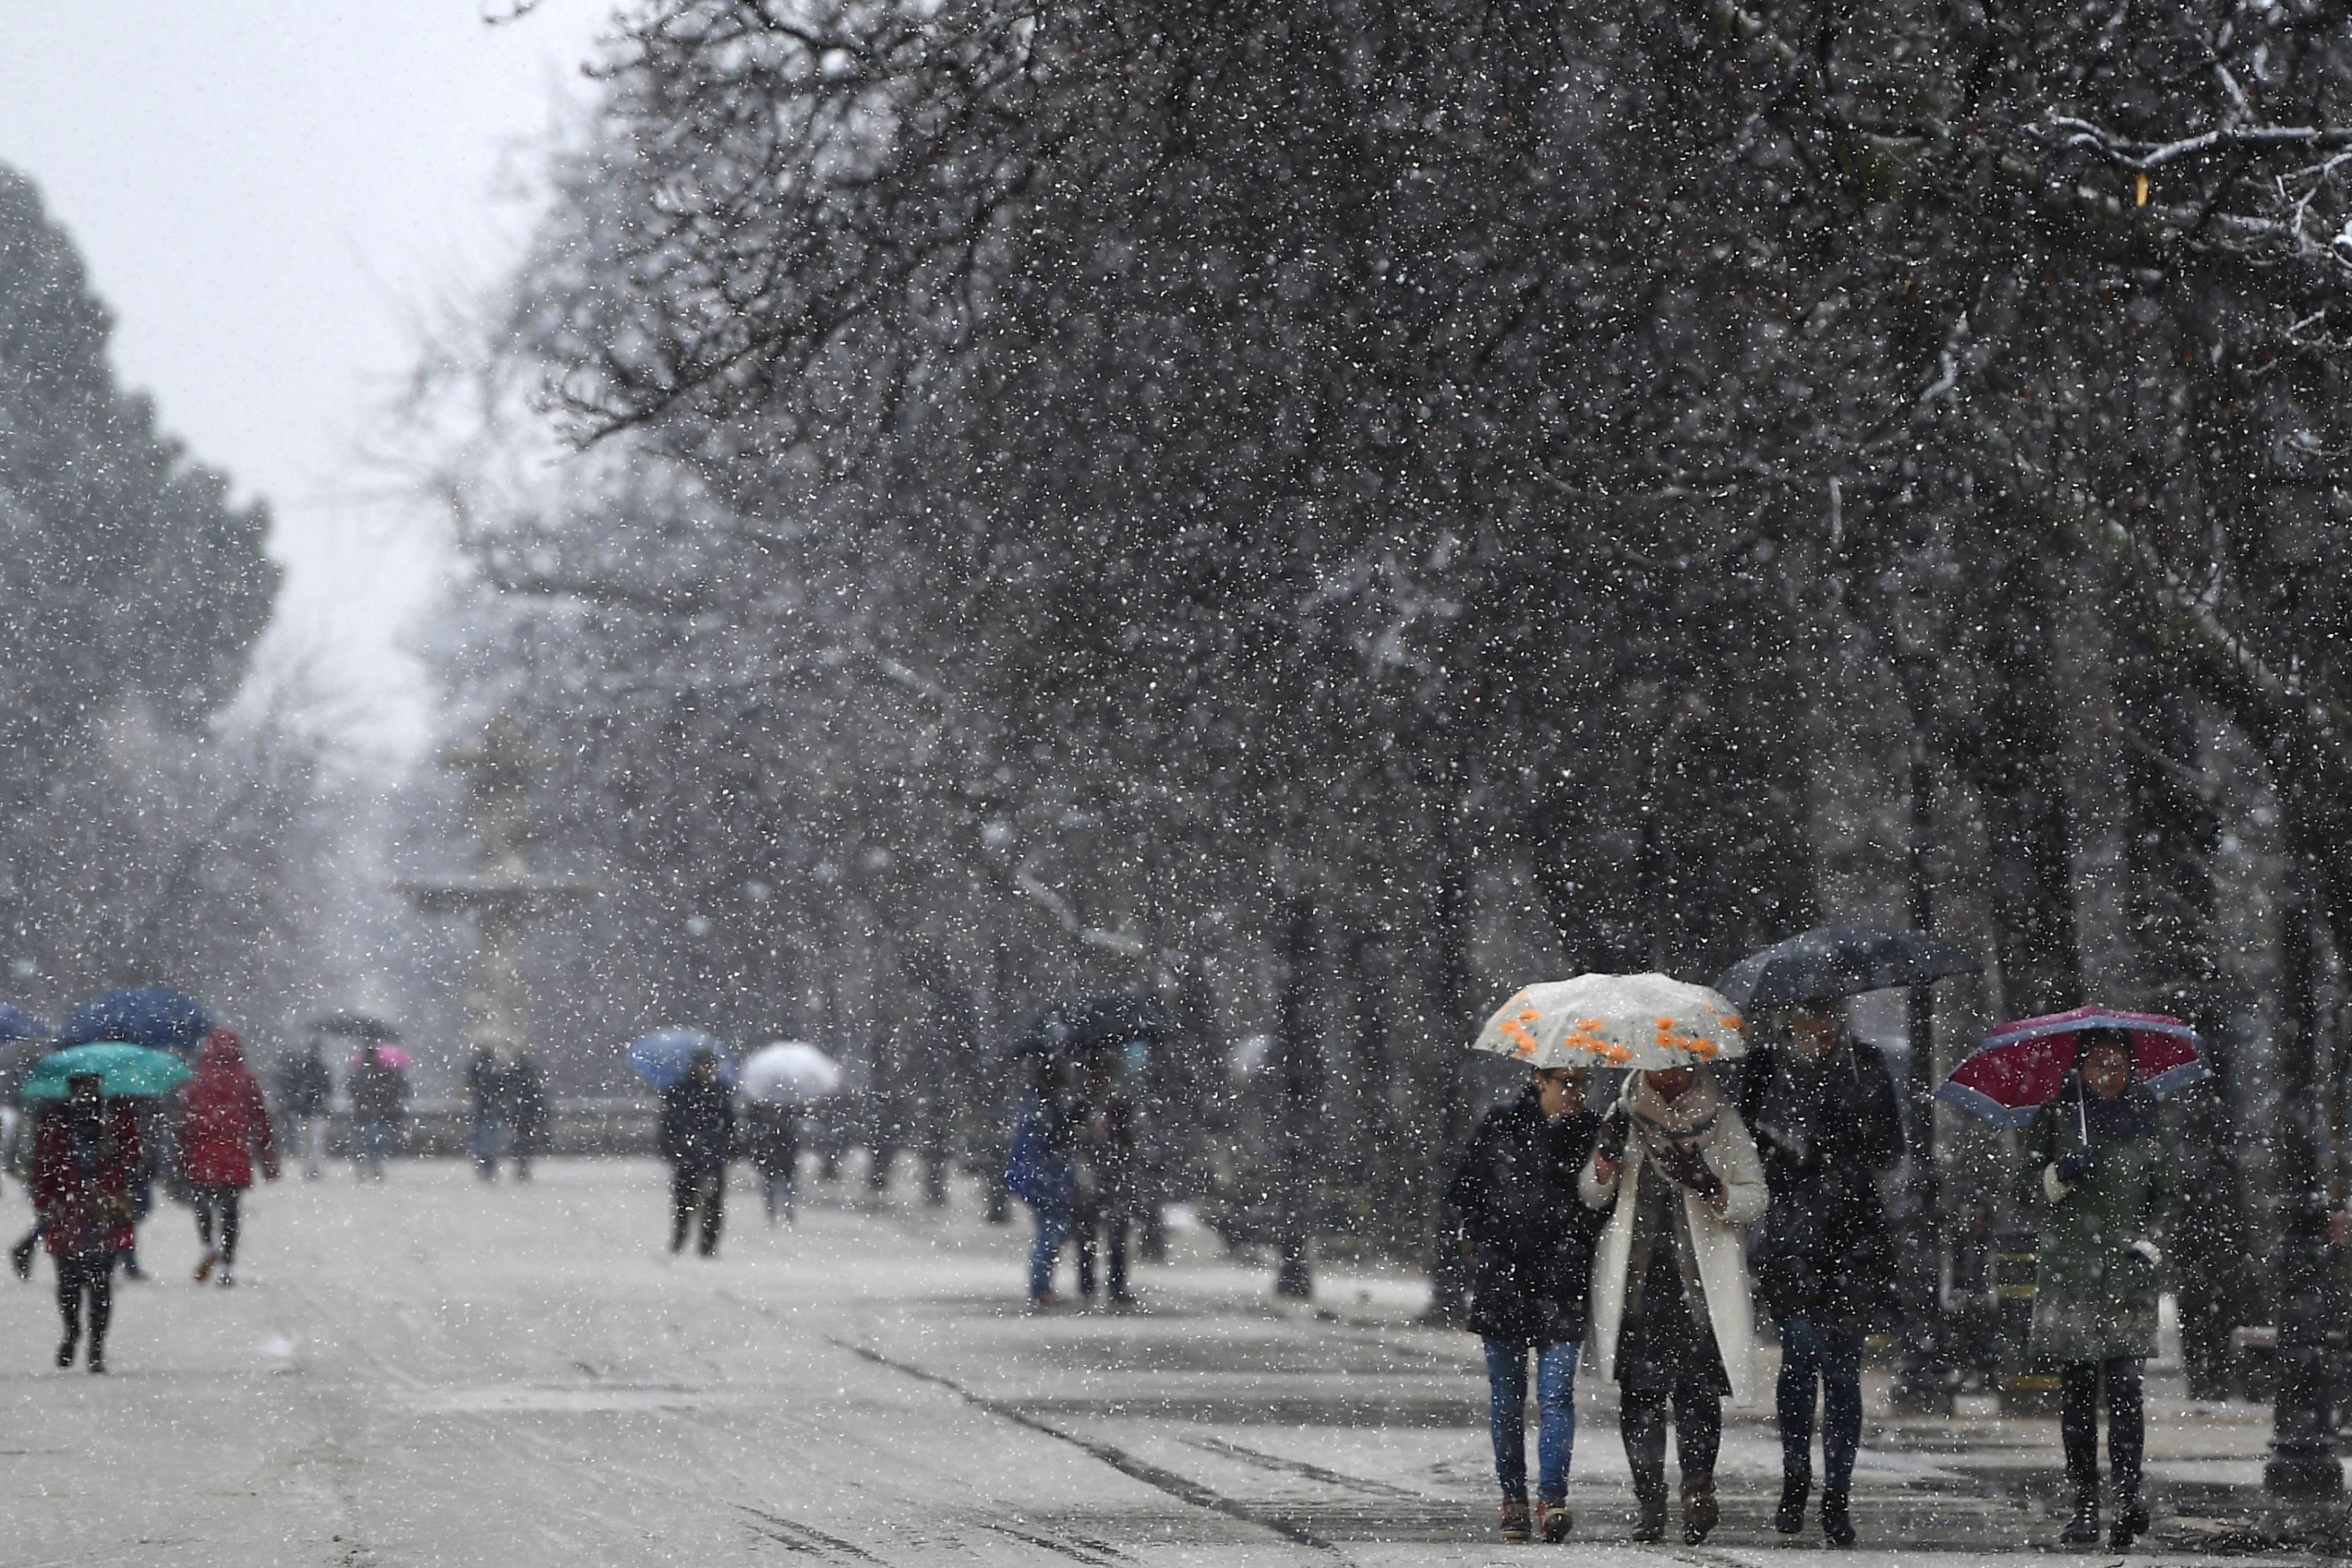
{"x": 16, "y": 1024}
{"x": 155, "y": 1017}
{"x": 662, "y": 1057}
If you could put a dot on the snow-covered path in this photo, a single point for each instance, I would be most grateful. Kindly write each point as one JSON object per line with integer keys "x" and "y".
{"x": 430, "y": 1372}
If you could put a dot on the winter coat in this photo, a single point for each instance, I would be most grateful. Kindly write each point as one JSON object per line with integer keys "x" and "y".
{"x": 379, "y": 1093}
{"x": 223, "y": 1120}
{"x": 303, "y": 1086}
{"x": 1038, "y": 1171}
{"x": 486, "y": 1085}
{"x": 2094, "y": 1296}
{"x": 1713, "y": 1133}
{"x": 697, "y": 1124}
{"x": 1825, "y": 1132}
{"x": 1516, "y": 1192}
{"x": 1107, "y": 1141}
{"x": 85, "y": 1166}
{"x": 771, "y": 1137}
{"x": 526, "y": 1084}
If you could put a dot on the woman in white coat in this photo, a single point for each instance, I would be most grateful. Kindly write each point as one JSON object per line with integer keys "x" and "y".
{"x": 1670, "y": 1316}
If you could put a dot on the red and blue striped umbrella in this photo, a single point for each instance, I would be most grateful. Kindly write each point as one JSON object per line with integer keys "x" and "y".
{"x": 2021, "y": 1066}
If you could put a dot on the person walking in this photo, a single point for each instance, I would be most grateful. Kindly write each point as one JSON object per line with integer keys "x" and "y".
{"x": 2101, "y": 1173}
{"x": 697, "y": 1138}
{"x": 86, "y": 1156}
{"x": 1040, "y": 1171}
{"x": 1670, "y": 1318}
{"x": 1103, "y": 1180}
{"x": 1821, "y": 1107}
{"x": 224, "y": 1128}
{"x": 1515, "y": 1190}
{"x": 304, "y": 1089}
{"x": 486, "y": 1088}
{"x": 379, "y": 1095}
{"x": 527, "y": 1111}
{"x": 772, "y": 1138}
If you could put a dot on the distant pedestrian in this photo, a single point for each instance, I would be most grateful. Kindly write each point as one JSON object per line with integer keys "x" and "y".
{"x": 86, "y": 1156}
{"x": 771, "y": 1137}
{"x": 2101, "y": 1172}
{"x": 1672, "y": 1320}
{"x": 697, "y": 1138}
{"x": 486, "y": 1089}
{"x": 304, "y": 1090}
{"x": 379, "y": 1096}
{"x": 1515, "y": 1190}
{"x": 1039, "y": 1171}
{"x": 224, "y": 1128}
{"x": 527, "y": 1111}
{"x": 1823, "y": 1109}
{"x": 1102, "y": 1209}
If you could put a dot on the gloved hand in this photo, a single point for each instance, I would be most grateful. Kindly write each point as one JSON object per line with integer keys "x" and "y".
{"x": 2076, "y": 1168}
{"x": 2149, "y": 1253}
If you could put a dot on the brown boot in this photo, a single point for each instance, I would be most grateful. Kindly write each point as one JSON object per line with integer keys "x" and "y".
{"x": 1699, "y": 1512}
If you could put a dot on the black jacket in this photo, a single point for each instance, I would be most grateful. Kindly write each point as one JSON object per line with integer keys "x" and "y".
{"x": 1516, "y": 1190}
{"x": 698, "y": 1125}
{"x": 303, "y": 1087}
{"x": 1825, "y": 1133}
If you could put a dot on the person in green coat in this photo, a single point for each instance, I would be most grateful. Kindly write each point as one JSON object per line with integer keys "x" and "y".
{"x": 2101, "y": 1174}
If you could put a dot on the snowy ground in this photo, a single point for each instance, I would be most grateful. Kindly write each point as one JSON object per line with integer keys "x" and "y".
{"x": 430, "y": 1372}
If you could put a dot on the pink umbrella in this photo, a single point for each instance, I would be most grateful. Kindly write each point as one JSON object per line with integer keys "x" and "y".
{"x": 390, "y": 1056}
{"x": 2022, "y": 1065}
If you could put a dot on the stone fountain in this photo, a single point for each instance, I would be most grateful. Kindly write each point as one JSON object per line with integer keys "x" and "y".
{"x": 502, "y": 893}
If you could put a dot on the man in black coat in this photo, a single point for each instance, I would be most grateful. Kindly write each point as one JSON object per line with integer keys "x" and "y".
{"x": 697, "y": 1138}
{"x": 1515, "y": 1190}
{"x": 1822, "y": 1106}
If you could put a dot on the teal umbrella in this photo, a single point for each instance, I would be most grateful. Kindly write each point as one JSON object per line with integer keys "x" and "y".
{"x": 127, "y": 1070}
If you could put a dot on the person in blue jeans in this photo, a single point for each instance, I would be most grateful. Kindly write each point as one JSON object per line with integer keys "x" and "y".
{"x": 1823, "y": 1108}
{"x": 1532, "y": 1240}
{"x": 1041, "y": 1173}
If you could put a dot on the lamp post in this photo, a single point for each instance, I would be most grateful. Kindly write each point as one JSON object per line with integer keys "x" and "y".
{"x": 1301, "y": 1094}
{"x": 1921, "y": 1385}
{"x": 2303, "y": 1466}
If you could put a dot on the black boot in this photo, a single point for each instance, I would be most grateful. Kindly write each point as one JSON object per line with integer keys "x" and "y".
{"x": 1699, "y": 1510}
{"x": 1650, "y": 1508}
{"x": 2131, "y": 1515}
{"x": 1837, "y": 1524}
{"x": 1796, "y": 1487}
{"x": 2082, "y": 1530}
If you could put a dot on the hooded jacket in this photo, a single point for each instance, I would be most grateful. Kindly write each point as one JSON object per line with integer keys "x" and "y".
{"x": 223, "y": 1120}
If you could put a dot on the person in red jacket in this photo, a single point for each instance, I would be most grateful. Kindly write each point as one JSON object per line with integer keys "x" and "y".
{"x": 85, "y": 1158}
{"x": 224, "y": 1125}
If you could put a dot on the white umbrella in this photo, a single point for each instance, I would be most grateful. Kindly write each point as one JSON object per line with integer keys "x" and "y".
{"x": 786, "y": 1072}
{"x": 1645, "y": 1022}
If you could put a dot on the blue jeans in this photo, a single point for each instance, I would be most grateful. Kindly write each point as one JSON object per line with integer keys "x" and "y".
{"x": 1053, "y": 1227}
{"x": 1807, "y": 1353}
{"x": 1507, "y": 1416}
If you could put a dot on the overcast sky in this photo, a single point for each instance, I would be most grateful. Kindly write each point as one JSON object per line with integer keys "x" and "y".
{"x": 270, "y": 195}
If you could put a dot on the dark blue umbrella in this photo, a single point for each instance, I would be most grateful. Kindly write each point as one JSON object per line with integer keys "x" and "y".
{"x": 155, "y": 1017}
{"x": 16, "y": 1024}
{"x": 662, "y": 1057}
{"x": 1086, "y": 1024}
{"x": 1833, "y": 962}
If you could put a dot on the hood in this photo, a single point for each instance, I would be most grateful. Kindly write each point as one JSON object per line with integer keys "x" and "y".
{"x": 222, "y": 1051}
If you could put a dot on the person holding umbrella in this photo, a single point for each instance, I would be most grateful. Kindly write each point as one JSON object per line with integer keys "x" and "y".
{"x": 1670, "y": 1317}
{"x": 698, "y": 1139}
{"x": 1532, "y": 1241}
{"x": 304, "y": 1088}
{"x": 1041, "y": 1171}
{"x": 224, "y": 1127}
{"x": 86, "y": 1155}
{"x": 2101, "y": 1172}
{"x": 379, "y": 1092}
{"x": 1821, "y": 1107}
